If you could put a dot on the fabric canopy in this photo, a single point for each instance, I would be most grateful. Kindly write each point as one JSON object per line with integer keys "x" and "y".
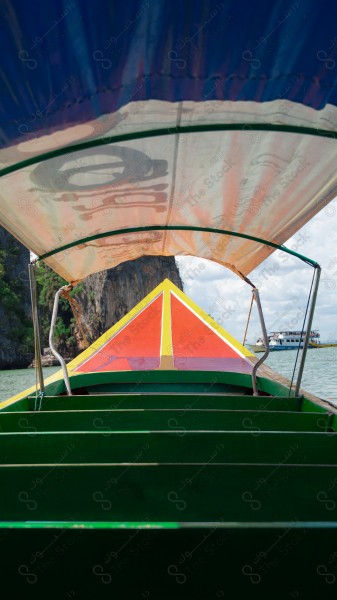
{"x": 133, "y": 128}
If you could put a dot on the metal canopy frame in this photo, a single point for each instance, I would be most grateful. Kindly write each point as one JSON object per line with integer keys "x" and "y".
{"x": 187, "y": 129}
{"x": 36, "y": 327}
{"x": 51, "y": 340}
{"x": 177, "y": 228}
{"x": 308, "y": 329}
{"x": 256, "y": 297}
{"x": 174, "y": 130}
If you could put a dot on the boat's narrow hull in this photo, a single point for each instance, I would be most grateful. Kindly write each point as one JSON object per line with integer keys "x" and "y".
{"x": 196, "y": 491}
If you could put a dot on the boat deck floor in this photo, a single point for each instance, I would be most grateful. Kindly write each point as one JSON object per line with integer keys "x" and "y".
{"x": 168, "y": 486}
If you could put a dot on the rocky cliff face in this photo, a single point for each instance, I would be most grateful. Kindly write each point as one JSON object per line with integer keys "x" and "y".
{"x": 109, "y": 295}
{"x": 104, "y": 298}
{"x": 16, "y": 332}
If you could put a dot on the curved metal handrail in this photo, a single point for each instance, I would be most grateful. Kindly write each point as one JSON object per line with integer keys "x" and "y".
{"x": 51, "y": 340}
{"x": 265, "y": 339}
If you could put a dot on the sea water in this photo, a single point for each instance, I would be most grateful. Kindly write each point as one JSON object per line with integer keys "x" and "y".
{"x": 319, "y": 378}
{"x": 17, "y": 380}
{"x": 320, "y": 371}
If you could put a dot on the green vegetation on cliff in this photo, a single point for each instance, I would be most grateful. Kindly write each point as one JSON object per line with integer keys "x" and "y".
{"x": 15, "y": 324}
{"x": 104, "y": 298}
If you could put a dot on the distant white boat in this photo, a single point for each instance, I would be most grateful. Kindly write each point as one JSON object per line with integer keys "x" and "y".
{"x": 258, "y": 346}
{"x": 288, "y": 340}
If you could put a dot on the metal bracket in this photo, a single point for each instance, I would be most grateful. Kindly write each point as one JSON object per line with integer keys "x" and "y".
{"x": 37, "y": 342}
{"x": 308, "y": 329}
{"x": 51, "y": 341}
{"x": 265, "y": 339}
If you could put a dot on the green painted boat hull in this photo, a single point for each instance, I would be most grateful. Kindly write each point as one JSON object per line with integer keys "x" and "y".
{"x": 140, "y": 490}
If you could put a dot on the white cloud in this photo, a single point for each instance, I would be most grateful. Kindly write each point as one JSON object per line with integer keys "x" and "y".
{"x": 284, "y": 284}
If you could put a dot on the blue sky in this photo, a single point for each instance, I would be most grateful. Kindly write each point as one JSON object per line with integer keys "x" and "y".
{"x": 283, "y": 281}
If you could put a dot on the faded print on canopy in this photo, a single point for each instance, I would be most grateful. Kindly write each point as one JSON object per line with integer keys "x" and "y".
{"x": 265, "y": 187}
{"x": 133, "y": 68}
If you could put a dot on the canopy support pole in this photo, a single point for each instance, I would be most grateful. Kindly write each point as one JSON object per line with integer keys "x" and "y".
{"x": 248, "y": 319}
{"x": 256, "y": 296}
{"x": 37, "y": 341}
{"x": 51, "y": 340}
{"x": 308, "y": 329}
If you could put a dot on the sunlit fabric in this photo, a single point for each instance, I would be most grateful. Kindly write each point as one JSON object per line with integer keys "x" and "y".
{"x": 71, "y": 73}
